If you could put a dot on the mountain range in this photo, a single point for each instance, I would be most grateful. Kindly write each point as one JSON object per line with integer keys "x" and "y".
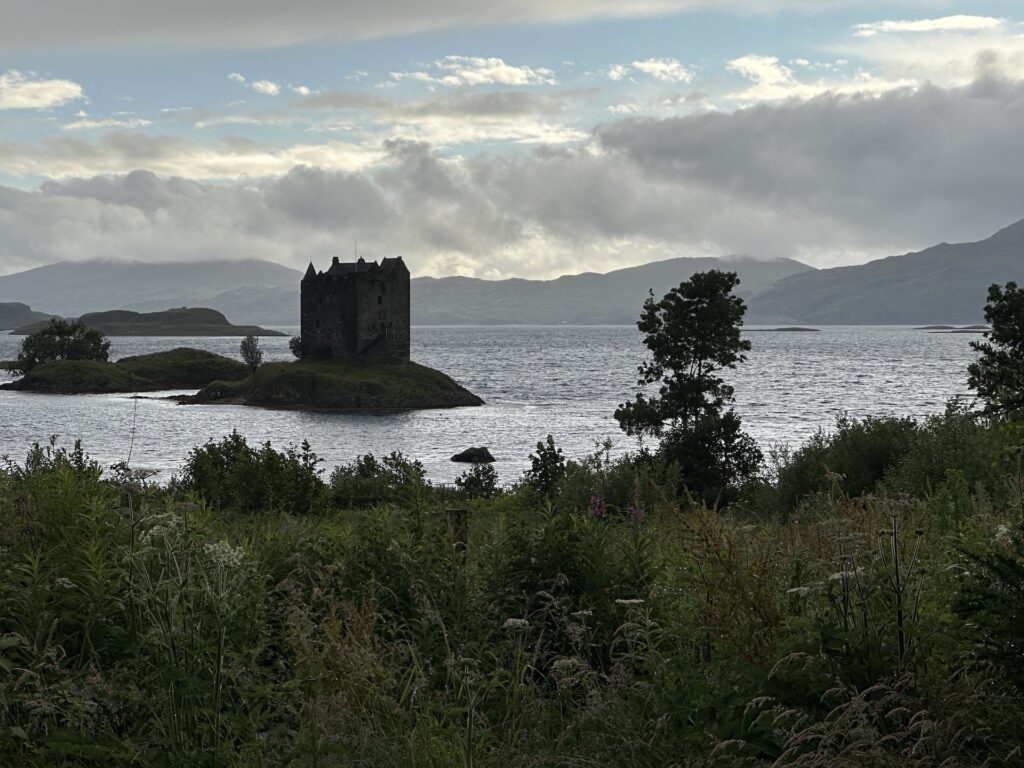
{"x": 946, "y": 283}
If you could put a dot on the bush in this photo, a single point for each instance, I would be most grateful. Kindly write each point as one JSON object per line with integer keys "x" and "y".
{"x": 991, "y": 601}
{"x": 61, "y": 340}
{"x": 368, "y": 481}
{"x": 230, "y": 474}
{"x": 855, "y": 457}
{"x": 547, "y": 468}
{"x": 480, "y": 481}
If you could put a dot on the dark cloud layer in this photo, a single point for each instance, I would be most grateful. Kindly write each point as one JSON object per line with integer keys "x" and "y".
{"x": 826, "y": 179}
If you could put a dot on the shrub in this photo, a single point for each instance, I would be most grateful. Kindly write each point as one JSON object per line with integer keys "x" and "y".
{"x": 855, "y": 457}
{"x": 480, "y": 481}
{"x": 547, "y": 467}
{"x": 368, "y": 481}
{"x": 61, "y": 340}
{"x": 991, "y": 600}
{"x": 232, "y": 474}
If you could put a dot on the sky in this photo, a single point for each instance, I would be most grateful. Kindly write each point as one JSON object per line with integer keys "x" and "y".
{"x": 520, "y": 138}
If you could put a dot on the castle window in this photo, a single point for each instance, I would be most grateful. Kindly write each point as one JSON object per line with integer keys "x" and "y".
{"x": 380, "y": 300}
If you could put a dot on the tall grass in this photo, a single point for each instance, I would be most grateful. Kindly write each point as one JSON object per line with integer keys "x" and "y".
{"x": 252, "y": 614}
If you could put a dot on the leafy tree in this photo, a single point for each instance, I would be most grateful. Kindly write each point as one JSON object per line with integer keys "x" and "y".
{"x": 547, "y": 467}
{"x": 61, "y": 340}
{"x": 480, "y": 481}
{"x": 998, "y": 375}
{"x": 295, "y": 346}
{"x": 693, "y": 334}
{"x": 252, "y": 352}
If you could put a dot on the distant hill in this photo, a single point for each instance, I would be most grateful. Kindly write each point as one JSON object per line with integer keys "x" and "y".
{"x": 75, "y": 288}
{"x": 268, "y": 294}
{"x": 598, "y": 299}
{"x": 16, "y": 314}
{"x": 942, "y": 284}
{"x": 183, "y": 321}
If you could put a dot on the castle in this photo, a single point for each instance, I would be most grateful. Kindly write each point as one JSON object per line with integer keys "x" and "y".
{"x": 356, "y": 311}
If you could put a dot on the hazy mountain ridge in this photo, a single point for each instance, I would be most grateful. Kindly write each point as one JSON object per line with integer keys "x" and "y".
{"x": 587, "y": 299}
{"x": 16, "y": 314}
{"x": 273, "y": 299}
{"x": 75, "y": 288}
{"x": 947, "y": 283}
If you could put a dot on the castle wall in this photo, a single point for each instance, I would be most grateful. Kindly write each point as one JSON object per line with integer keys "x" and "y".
{"x": 360, "y": 314}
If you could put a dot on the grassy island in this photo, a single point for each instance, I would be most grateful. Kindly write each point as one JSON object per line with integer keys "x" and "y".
{"x": 340, "y": 385}
{"x": 182, "y": 368}
{"x": 186, "y": 321}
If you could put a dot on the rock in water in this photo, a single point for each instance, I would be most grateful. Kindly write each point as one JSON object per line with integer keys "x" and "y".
{"x": 474, "y": 456}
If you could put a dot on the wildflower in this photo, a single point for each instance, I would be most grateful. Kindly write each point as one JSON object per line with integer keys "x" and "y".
{"x": 582, "y": 614}
{"x": 636, "y": 514}
{"x": 597, "y": 507}
{"x": 1002, "y": 535}
{"x": 223, "y": 554}
{"x": 629, "y": 601}
{"x": 843, "y": 575}
{"x": 799, "y": 591}
{"x": 513, "y": 625}
{"x": 64, "y": 582}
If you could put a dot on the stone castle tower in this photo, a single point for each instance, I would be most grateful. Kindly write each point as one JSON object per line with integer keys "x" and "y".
{"x": 356, "y": 311}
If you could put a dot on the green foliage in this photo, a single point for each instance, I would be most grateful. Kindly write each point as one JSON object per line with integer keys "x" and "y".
{"x": 252, "y": 352}
{"x": 368, "y": 481}
{"x": 61, "y": 340}
{"x": 203, "y": 623}
{"x": 295, "y": 346}
{"x": 547, "y": 468}
{"x": 231, "y": 474}
{"x": 991, "y": 600}
{"x": 480, "y": 481}
{"x": 693, "y": 334}
{"x": 853, "y": 458}
{"x": 998, "y": 374}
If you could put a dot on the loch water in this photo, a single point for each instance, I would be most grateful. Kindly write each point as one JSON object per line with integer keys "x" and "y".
{"x": 563, "y": 380}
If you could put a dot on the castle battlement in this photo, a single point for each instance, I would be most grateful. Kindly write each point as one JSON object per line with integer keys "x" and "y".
{"x": 356, "y": 310}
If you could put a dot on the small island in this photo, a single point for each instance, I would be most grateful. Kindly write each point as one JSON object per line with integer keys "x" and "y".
{"x": 353, "y": 350}
{"x": 788, "y": 329}
{"x": 339, "y": 385}
{"x": 185, "y": 321}
{"x": 181, "y": 368}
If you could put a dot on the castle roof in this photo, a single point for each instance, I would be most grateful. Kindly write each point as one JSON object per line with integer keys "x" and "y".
{"x": 310, "y": 272}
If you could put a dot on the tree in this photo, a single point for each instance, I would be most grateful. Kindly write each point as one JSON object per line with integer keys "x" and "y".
{"x": 547, "y": 467}
{"x": 295, "y": 346}
{"x": 252, "y": 352}
{"x": 61, "y": 340}
{"x": 998, "y": 374}
{"x": 693, "y": 334}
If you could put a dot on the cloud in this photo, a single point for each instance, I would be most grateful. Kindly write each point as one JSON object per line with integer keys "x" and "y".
{"x": 302, "y": 90}
{"x": 950, "y": 57}
{"x": 945, "y": 24}
{"x": 85, "y": 123}
{"x": 229, "y": 159}
{"x": 616, "y": 72}
{"x": 772, "y": 81}
{"x": 237, "y": 78}
{"x": 242, "y": 24}
{"x": 668, "y": 70}
{"x": 830, "y": 179}
{"x": 478, "y": 70}
{"x": 266, "y": 87}
{"x": 21, "y": 91}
